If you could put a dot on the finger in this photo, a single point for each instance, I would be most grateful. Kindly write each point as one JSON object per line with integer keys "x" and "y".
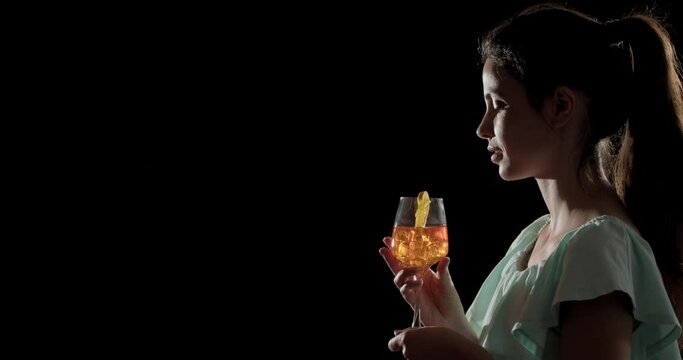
{"x": 396, "y": 343}
{"x": 391, "y": 261}
{"x": 405, "y": 275}
{"x": 387, "y": 241}
{"x": 410, "y": 286}
{"x": 442, "y": 270}
{"x": 398, "y": 331}
{"x": 394, "y": 265}
{"x": 410, "y": 293}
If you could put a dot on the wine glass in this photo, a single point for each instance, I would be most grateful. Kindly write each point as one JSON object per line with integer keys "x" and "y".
{"x": 419, "y": 247}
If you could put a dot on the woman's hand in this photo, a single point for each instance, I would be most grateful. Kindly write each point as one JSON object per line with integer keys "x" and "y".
{"x": 438, "y": 300}
{"x": 435, "y": 343}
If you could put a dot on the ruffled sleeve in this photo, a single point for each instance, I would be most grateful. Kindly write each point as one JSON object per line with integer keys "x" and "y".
{"x": 603, "y": 256}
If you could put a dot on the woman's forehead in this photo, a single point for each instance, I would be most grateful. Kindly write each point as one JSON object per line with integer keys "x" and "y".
{"x": 496, "y": 79}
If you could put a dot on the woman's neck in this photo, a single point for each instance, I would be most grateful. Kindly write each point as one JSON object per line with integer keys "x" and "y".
{"x": 571, "y": 203}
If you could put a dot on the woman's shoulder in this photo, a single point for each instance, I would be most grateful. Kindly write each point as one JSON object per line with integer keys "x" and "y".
{"x": 605, "y": 236}
{"x": 605, "y": 228}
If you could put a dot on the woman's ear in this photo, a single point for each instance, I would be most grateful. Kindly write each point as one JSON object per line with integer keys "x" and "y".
{"x": 560, "y": 107}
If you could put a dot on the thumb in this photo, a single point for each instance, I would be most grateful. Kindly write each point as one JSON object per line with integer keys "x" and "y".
{"x": 398, "y": 341}
{"x": 442, "y": 270}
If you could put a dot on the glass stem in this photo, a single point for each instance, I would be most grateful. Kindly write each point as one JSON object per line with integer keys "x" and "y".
{"x": 416, "y": 314}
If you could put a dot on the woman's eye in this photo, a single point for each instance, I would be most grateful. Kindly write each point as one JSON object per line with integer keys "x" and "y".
{"x": 499, "y": 106}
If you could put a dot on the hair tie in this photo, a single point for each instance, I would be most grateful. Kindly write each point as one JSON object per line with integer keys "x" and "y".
{"x": 619, "y": 44}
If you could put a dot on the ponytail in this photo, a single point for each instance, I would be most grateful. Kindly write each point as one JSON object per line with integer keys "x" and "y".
{"x": 647, "y": 174}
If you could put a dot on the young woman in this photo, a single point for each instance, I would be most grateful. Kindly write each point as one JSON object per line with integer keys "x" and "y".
{"x": 592, "y": 111}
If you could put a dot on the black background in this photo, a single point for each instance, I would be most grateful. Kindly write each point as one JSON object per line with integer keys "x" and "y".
{"x": 394, "y": 97}
{"x": 341, "y": 110}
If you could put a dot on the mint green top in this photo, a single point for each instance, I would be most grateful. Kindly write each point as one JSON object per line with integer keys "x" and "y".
{"x": 515, "y": 313}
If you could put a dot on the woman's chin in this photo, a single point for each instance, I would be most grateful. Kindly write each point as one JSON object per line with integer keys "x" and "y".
{"x": 507, "y": 175}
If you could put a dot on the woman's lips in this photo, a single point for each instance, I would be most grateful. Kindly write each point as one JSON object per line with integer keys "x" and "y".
{"x": 497, "y": 153}
{"x": 496, "y": 156}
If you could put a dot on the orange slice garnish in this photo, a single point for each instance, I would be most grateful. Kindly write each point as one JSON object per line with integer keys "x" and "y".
{"x": 422, "y": 211}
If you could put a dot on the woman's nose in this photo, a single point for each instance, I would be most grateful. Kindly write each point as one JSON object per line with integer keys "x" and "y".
{"x": 485, "y": 128}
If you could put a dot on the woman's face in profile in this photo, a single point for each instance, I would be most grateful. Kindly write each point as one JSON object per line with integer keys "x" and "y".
{"x": 515, "y": 131}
